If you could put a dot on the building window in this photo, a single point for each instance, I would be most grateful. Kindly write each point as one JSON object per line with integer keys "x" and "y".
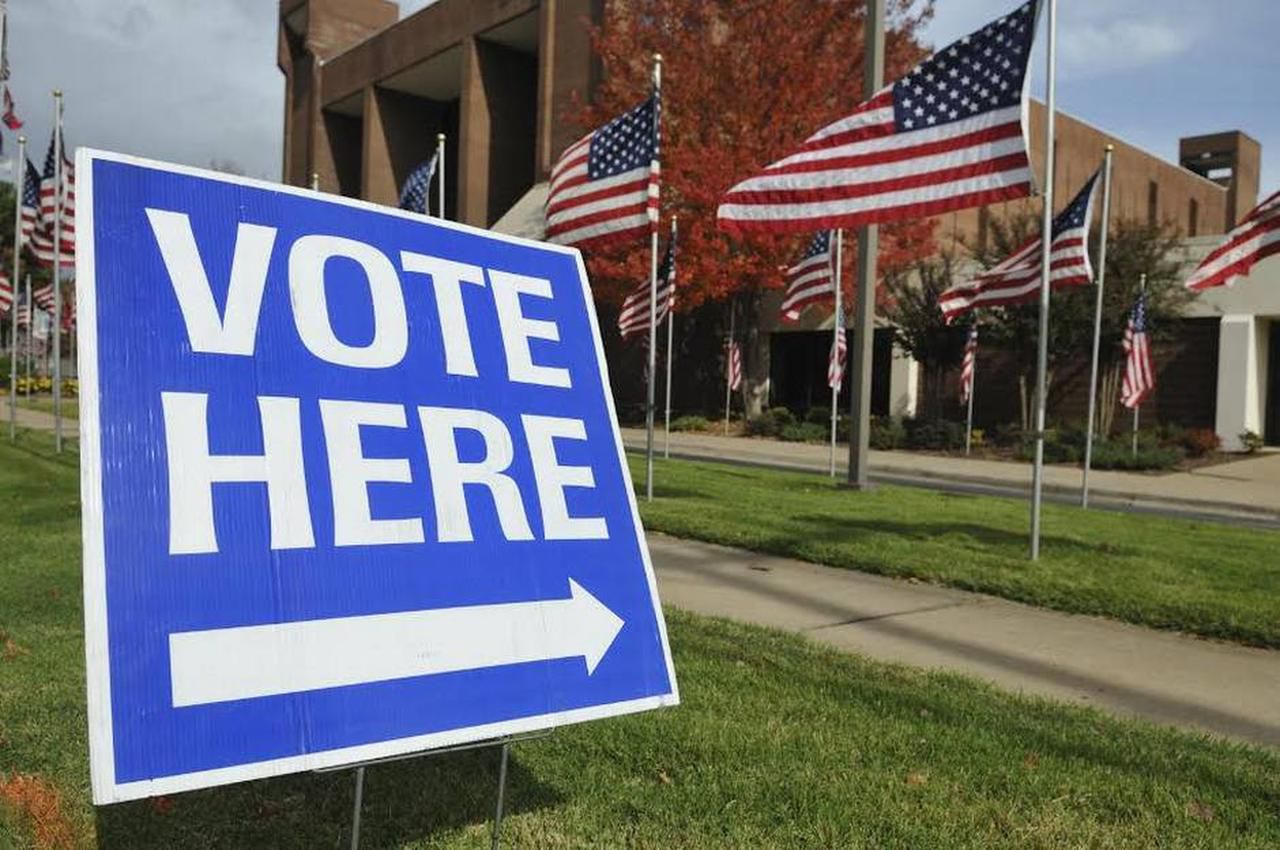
{"x": 1193, "y": 218}
{"x": 1153, "y": 202}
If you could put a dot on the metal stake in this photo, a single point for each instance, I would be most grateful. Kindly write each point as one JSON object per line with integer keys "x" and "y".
{"x": 355, "y": 809}
{"x": 439, "y": 172}
{"x": 1097, "y": 325}
{"x": 502, "y": 789}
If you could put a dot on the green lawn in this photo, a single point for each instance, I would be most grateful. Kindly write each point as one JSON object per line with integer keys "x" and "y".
{"x": 70, "y": 406}
{"x": 1206, "y": 578}
{"x": 779, "y": 743}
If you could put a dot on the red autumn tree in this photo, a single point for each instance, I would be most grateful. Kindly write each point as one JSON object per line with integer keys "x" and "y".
{"x": 744, "y": 82}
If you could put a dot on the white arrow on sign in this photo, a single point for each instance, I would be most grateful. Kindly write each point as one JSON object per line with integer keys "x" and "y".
{"x": 217, "y": 665}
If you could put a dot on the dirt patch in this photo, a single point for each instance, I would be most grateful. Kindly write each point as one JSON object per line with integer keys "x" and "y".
{"x": 39, "y": 804}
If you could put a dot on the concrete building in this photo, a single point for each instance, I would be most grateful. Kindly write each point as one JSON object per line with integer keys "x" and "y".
{"x": 367, "y": 92}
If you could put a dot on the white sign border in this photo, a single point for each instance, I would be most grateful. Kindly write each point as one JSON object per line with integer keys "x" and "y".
{"x": 97, "y": 657}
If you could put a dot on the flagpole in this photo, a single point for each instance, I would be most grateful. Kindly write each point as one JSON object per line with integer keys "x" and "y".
{"x": 835, "y": 347}
{"x": 57, "y": 270}
{"x": 18, "y": 185}
{"x": 862, "y": 346}
{"x": 31, "y": 330}
{"x": 315, "y": 181}
{"x": 653, "y": 300}
{"x": 728, "y": 368}
{"x": 973, "y": 386}
{"x": 1137, "y": 408}
{"x": 1046, "y": 236}
{"x": 1097, "y": 325}
{"x": 671, "y": 316}
{"x": 440, "y": 172}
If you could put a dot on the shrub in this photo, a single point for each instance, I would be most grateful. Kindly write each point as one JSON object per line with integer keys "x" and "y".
{"x": 690, "y": 423}
{"x": 805, "y": 432}
{"x": 819, "y": 416}
{"x": 770, "y": 423}
{"x": 887, "y": 433}
{"x": 1007, "y": 434}
{"x": 978, "y": 438}
{"x": 1112, "y": 454}
{"x": 1201, "y": 441}
{"x": 1251, "y": 442}
{"x": 935, "y": 435}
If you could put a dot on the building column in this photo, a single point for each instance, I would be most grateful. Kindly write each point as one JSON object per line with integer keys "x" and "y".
{"x": 473, "y": 140}
{"x": 377, "y": 176}
{"x": 1241, "y": 373}
{"x": 904, "y": 384}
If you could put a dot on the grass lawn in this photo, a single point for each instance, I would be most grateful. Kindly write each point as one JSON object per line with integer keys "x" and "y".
{"x": 779, "y": 743}
{"x": 70, "y": 406}
{"x": 1206, "y": 578}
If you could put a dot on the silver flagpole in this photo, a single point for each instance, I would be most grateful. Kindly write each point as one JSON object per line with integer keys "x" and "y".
{"x": 57, "y": 270}
{"x": 1097, "y": 325}
{"x": 18, "y": 186}
{"x": 671, "y": 316}
{"x": 31, "y": 331}
{"x": 835, "y": 336}
{"x": 728, "y": 368}
{"x": 440, "y": 171}
{"x": 973, "y": 386}
{"x": 315, "y": 182}
{"x": 653, "y": 307}
{"x": 1137, "y": 408}
{"x": 1046, "y": 227}
{"x": 862, "y": 345}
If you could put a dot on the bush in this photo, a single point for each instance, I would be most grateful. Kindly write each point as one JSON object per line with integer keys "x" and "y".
{"x": 936, "y": 435}
{"x": 770, "y": 423}
{"x": 1199, "y": 442}
{"x": 819, "y": 416}
{"x": 1251, "y": 442}
{"x": 805, "y": 432}
{"x": 887, "y": 433}
{"x": 1008, "y": 434}
{"x": 1113, "y": 454}
{"x": 690, "y": 423}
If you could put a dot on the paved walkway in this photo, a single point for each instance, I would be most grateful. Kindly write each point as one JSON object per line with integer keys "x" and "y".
{"x": 1169, "y": 678}
{"x": 1247, "y": 489}
{"x": 38, "y": 419}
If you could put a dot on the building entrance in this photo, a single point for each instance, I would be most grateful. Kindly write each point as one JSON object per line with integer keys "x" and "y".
{"x": 1272, "y": 400}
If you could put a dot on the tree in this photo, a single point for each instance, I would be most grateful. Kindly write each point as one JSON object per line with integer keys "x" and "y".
{"x": 1133, "y": 248}
{"x": 918, "y": 325}
{"x": 744, "y": 82}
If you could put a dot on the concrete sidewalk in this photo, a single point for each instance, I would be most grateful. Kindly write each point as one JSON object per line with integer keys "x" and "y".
{"x": 1169, "y": 678}
{"x": 1245, "y": 490}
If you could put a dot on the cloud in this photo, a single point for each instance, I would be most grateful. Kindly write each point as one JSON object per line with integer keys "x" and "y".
{"x": 1097, "y": 48}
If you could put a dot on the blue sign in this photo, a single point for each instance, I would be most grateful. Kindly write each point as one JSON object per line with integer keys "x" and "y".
{"x": 352, "y": 482}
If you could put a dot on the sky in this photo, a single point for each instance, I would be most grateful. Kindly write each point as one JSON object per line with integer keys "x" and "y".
{"x": 195, "y": 81}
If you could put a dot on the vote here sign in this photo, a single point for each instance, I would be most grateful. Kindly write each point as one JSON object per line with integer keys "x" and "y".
{"x": 352, "y": 485}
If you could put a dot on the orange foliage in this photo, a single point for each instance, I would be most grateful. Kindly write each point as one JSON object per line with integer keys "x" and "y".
{"x": 744, "y": 82}
{"x": 40, "y": 804}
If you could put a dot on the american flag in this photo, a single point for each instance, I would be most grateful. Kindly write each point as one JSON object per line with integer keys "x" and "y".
{"x": 1139, "y": 369}
{"x": 634, "y": 317}
{"x": 1255, "y": 237}
{"x": 947, "y": 136}
{"x": 810, "y": 280}
{"x": 10, "y": 117}
{"x": 968, "y": 365}
{"x": 44, "y": 297}
{"x": 413, "y": 195}
{"x": 42, "y": 243}
{"x": 30, "y": 202}
{"x": 69, "y": 314}
{"x": 604, "y": 187}
{"x": 6, "y": 293}
{"x": 1017, "y": 279}
{"x": 835, "y": 361}
{"x": 733, "y": 362}
{"x": 24, "y": 314}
